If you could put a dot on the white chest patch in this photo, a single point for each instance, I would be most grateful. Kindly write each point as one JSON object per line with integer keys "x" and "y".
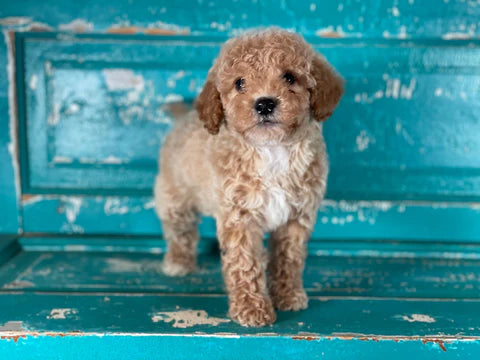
{"x": 275, "y": 160}
{"x": 275, "y": 164}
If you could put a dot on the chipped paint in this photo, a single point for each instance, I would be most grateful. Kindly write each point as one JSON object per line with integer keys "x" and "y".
{"x": 116, "y": 265}
{"x": 363, "y": 141}
{"x": 32, "y": 199}
{"x": 54, "y": 116}
{"x": 33, "y": 82}
{"x": 113, "y": 160}
{"x": 156, "y": 28}
{"x": 113, "y": 206}
{"x": 188, "y": 318}
{"x": 150, "y": 204}
{"x": 12, "y": 112}
{"x": 61, "y": 314}
{"x": 77, "y": 26}
{"x": 72, "y": 109}
{"x": 71, "y": 206}
{"x": 12, "y": 326}
{"x": 62, "y": 159}
{"x": 330, "y": 32}
{"x": 457, "y": 36}
{"x": 419, "y": 318}
{"x": 16, "y": 284}
{"x": 15, "y": 21}
{"x": 123, "y": 79}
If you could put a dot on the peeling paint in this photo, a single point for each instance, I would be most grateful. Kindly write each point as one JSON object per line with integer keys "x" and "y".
{"x": 156, "y": 28}
{"x": 188, "y": 318}
{"x": 113, "y": 207}
{"x": 16, "y": 284}
{"x": 15, "y": 21}
{"x": 418, "y": 318}
{"x": 12, "y": 111}
{"x": 330, "y": 32}
{"x": 54, "y": 116}
{"x": 32, "y": 199}
{"x": 33, "y": 82}
{"x": 61, "y": 314}
{"x": 77, "y": 26}
{"x": 71, "y": 206}
{"x": 122, "y": 79}
{"x": 363, "y": 141}
{"x": 113, "y": 160}
{"x": 119, "y": 265}
{"x": 457, "y": 36}
{"x": 73, "y": 108}
{"x": 62, "y": 159}
{"x": 12, "y": 326}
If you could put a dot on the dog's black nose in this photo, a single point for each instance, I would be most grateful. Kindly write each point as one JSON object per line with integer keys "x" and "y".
{"x": 265, "y": 105}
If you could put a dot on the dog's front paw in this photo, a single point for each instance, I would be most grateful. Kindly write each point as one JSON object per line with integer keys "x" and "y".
{"x": 290, "y": 299}
{"x": 173, "y": 267}
{"x": 253, "y": 313}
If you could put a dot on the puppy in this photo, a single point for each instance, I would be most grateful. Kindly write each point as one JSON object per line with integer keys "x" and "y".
{"x": 253, "y": 157}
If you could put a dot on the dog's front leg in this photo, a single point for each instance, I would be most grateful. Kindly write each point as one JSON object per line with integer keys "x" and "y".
{"x": 287, "y": 261}
{"x": 244, "y": 262}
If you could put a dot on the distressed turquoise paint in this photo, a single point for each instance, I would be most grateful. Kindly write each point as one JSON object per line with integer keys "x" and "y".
{"x": 388, "y": 270}
{"x": 224, "y": 347}
{"x": 336, "y": 219}
{"x": 337, "y": 328}
{"x": 349, "y": 18}
{"x": 9, "y": 208}
{"x": 406, "y": 129}
{"x": 400, "y": 95}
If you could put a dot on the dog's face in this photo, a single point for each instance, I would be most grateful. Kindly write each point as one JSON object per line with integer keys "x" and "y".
{"x": 265, "y": 85}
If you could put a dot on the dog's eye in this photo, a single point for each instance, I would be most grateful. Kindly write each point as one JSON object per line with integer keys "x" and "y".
{"x": 240, "y": 84}
{"x": 289, "y": 78}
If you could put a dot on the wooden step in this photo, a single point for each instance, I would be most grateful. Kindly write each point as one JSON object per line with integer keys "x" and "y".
{"x": 74, "y": 301}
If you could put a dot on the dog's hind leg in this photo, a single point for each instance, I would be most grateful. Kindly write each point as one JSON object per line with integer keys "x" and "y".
{"x": 179, "y": 224}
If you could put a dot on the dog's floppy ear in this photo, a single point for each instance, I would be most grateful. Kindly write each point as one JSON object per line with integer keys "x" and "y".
{"x": 209, "y": 105}
{"x": 328, "y": 90}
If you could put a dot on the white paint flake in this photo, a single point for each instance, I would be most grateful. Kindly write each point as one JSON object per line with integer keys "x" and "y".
{"x": 123, "y": 79}
{"x": 150, "y": 204}
{"x": 72, "y": 109}
{"x": 77, "y": 25}
{"x": 173, "y": 98}
{"x": 172, "y": 80}
{"x": 313, "y": 7}
{"x": 72, "y": 208}
{"x": 62, "y": 159}
{"x": 330, "y": 31}
{"x": 407, "y": 91}
{"x": 12, "y": 112}
{"x": 54, "y": 116}
{"x": 418, "y": 318}
{"x": 61, "y": 314}
{"x": 395, "y": 11}
{"x": 438, "y": 92}
{"x": 121, "y": 265}
{"x": 113, "y": 206}
{"x": 112, "y": 160}
{"x": 33, "y": 82}
{"x": 363, "y": 141}
{"x": 187, "y": 318}
{"x": 12, "y": 326}
{"x": 457, "y": 36}
{"x": 15, "y": 21}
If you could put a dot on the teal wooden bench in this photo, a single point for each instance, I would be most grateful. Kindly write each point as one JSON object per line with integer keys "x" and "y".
{"x": 85, "y": 94}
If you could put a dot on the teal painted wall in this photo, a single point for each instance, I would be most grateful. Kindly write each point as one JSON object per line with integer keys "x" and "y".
{"x": 96, "y": 76}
